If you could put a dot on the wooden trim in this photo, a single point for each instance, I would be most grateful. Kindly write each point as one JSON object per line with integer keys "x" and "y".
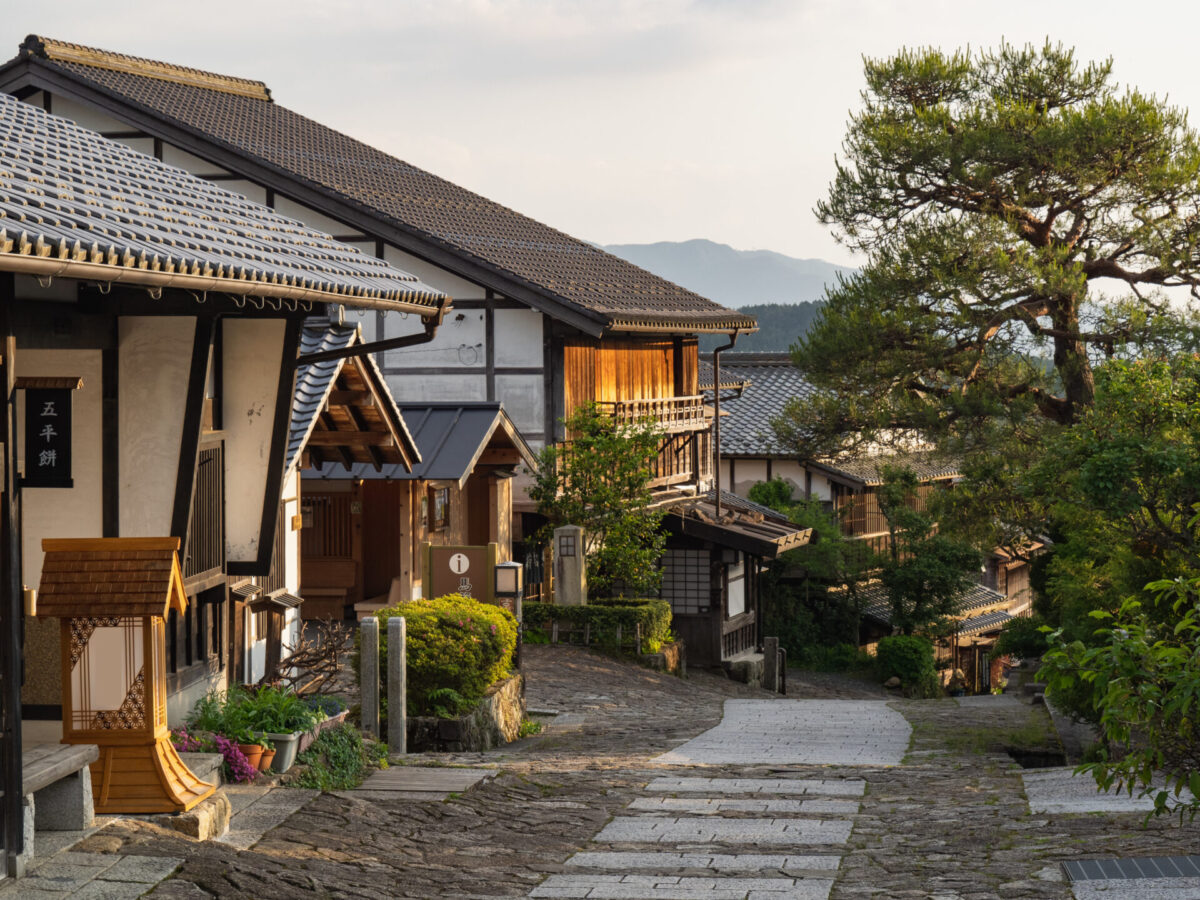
{"x": 350, "y": 439}
{"x": 478, "y": 371}
{"x": 495, "y": 302}
{"x": 88, "y": 545}
{"x": 279, "y": 437}
{"x": 62, "y": 383}
{"x": 489, "y": 344}
{"x": 110, "y": 437}
{"x": 193, "y": 415}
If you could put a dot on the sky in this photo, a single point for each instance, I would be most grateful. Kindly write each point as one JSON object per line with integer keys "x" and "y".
{"x": 618, "y": 121}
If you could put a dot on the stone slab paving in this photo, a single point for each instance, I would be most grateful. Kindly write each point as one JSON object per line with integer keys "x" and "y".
{"x": 91, "y": 875}
{"x": 752, "y": 832}
{"x": 716, "y": 805}
{"x": 1138, "y": 889}
{"x": 664, "y": 860}
{"x": 661, "y": 887}
{"x": 827, "y": 787}
{"x": 799, "y": 732}
{"x": 1060, "y": 790}
{"x": 257, "y": 811}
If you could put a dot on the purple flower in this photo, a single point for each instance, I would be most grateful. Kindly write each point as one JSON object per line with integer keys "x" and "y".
{"x": 239, "y": 767}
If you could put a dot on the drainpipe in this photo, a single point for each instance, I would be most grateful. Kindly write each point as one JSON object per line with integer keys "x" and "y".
{"x": 717, "y": 416}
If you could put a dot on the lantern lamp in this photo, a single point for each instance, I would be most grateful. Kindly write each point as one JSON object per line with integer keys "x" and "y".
{"x": 112, "y": 597}
{"x": 509, "y": 579}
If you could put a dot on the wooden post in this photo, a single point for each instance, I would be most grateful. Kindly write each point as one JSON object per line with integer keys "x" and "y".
{"x": 554, "y": 632}
{"x": 637, "y": 633}
{"x": 771, "y": 664}
{"x": 397, "y": 686}
{"x": 369, "y": 676}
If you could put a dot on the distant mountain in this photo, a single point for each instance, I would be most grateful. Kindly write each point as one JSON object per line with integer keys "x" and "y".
{"x": 736, "y": 278}
{"x": 779, "y": 324}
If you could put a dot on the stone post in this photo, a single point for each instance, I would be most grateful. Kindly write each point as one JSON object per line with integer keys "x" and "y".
{"x": 369, "y": 676}
{"x": 397, "y": 685}
{"x": 570, "y": 566}
{"x": 771, "y": 664}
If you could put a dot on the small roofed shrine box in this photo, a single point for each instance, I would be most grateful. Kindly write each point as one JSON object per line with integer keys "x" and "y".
{"x": 112, "y": 597}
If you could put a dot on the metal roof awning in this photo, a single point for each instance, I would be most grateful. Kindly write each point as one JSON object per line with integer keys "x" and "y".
{"x": 743, "y": 526}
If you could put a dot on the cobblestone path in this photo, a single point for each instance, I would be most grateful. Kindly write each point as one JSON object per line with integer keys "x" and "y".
{"x": 951, "y": 823}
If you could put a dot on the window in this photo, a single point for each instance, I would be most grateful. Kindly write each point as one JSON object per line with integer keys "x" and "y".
{"x": 735, "y": 585}
{"x": 441, "y": 508}
{"x": 687, "y": 583}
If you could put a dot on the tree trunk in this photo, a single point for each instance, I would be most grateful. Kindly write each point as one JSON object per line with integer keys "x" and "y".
{"x": 1072, "y": 363}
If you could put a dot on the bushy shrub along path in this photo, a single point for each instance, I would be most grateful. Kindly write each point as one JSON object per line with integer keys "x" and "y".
{"x": 951, "y": 822}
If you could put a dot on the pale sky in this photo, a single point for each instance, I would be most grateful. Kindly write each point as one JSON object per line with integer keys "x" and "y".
{"x": 619, "y": 121}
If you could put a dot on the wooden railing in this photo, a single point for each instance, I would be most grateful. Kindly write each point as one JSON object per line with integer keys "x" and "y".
{"x": 669, "y": 414}
{"x": 738, "y": 635}
{"x": 204, "y": 553}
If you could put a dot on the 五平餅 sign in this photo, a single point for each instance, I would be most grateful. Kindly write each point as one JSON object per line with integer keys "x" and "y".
{"x": 47, "y": 438}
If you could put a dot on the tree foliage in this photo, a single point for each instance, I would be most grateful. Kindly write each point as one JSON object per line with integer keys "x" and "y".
{"x": 599, "y": 481}
{"x": 1021, "y": 218}
{"x": 925, "y": 572}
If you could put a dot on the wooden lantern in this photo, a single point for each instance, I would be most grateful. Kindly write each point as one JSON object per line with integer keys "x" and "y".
{"x": 112, "y": 597}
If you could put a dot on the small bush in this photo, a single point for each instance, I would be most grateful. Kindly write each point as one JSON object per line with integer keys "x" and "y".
{"x": 336, "y": 761}
{"x": 1022, "y": 638}
{"x": 910, "y": 659}
{"x": 455, "y": 643}
{"x": 838, "y": 658}
{"x": 605, "y": 616}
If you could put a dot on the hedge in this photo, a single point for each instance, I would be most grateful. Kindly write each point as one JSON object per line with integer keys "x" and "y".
{"x": 909, "y": 658}
{"x": 455, "y": 643}
{"x": 605, "y": 616}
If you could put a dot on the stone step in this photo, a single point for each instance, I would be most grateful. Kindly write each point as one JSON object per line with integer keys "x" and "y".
{"x": 205, "y": 766}
{"x": 718, "y": 805}
{"x": 670, "y": 887}
{"x": 711, "y": 829}
{"x": 667, "y": 860}
{"x": 828, "y": 787}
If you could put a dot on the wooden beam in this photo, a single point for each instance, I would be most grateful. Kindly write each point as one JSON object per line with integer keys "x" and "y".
{"x": 349, "y": 439}
{"x": 498, "y": 456}
{"x": 351, "y": 398}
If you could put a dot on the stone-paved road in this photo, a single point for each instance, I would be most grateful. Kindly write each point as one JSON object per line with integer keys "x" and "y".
{"x": 952, "y": 822}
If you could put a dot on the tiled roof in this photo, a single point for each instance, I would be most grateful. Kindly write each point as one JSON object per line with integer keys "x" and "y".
{"x": 868, "y": 470}
{"x": 451, "y": 437}
{"x": 773, "y": 381}
{"x": 743, "y": 525}
{"x": 316, "y": 381}
{"x": 111, "y": 577}
{"x": 526, "y": 254}
{"x": 991, "y": 621}
{"x": 76, "y": 205}
{"x": 875, "y": 604}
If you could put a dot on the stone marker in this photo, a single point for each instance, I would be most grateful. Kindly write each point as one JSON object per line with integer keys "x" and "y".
{"x": 369, "y": 676}
{"x": 770, "y": 680}
{"x": 397, "y": 685}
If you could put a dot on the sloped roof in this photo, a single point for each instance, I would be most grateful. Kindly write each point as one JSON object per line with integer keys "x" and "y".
{"x": 867, "y": 471}
{"x": 238, "y": 115}
{"x": 875, "y": 604}
{"x": 313, "y": 412}
{"x": 135, "y": 577}
{"x": 773, "y": 381}
{"x": 451, "y": 438}
{"x": 76, "y": 205}
{"x": 742, "y": 525}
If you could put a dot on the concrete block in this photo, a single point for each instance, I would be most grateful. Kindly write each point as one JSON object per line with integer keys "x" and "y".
{"x": 66, "y": 805}
{"x": 204, "y": 821}
{"x": 397, "y": 685}
{"x": 19, "y": 862}
{"x": 369, "y": 684}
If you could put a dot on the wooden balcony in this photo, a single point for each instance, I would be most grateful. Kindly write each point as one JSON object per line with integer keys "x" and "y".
{"x": 672, "y": 415}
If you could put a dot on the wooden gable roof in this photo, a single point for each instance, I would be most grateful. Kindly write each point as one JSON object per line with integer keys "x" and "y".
{"x": 128, "y": 577}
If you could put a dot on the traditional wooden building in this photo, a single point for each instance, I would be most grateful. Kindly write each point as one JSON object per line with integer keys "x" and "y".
{"x": 149, "y": 323}
{"x": 436, "y": 472}
{"x": 542, "y": 322}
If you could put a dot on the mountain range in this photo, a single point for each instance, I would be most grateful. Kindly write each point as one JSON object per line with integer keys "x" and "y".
{"x": 784, "y": 292}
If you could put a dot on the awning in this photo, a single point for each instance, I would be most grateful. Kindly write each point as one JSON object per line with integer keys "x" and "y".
{"x": 743, "y": 525}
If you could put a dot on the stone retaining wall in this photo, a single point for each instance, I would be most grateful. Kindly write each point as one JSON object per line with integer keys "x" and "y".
{"x": 495, "y": 721}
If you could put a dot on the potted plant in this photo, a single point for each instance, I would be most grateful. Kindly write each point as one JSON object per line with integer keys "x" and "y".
{"x": 281, "y": 717}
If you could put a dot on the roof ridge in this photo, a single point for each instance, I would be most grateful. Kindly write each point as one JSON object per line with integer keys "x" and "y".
{"x": 63, "y": 51}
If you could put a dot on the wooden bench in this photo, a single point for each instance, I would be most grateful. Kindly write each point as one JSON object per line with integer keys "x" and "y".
{"x": 57, "y": 785}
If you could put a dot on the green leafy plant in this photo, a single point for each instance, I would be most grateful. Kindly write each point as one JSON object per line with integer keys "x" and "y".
{"x": 1024, "y": 638}
{"x": 455, "y": 643}
{"x": 528, "y": 728}
{"x": 603, "y": 617}
{"x": 909, "y": 658}
{"x": 336, "y": 761}
{"x": 599, "y": 480}
{"x": 447, "y": 703}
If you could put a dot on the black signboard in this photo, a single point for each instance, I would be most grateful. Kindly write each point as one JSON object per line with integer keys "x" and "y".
{"x": 47, "y": 438}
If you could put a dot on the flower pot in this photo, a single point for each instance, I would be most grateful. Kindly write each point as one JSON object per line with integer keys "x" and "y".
{"x": 264, "y": 762}
{"x": 252, "y": 752}
{"x": 286, "y": 748}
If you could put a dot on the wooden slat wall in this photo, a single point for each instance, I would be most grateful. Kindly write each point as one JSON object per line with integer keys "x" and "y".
{"x": 622, "y": 369}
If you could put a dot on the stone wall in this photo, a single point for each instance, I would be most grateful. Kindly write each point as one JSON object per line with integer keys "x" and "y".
{"x": 494, "y": 721}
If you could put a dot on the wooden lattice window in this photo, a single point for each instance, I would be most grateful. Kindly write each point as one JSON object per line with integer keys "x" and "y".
{"x": 687, "y": 582}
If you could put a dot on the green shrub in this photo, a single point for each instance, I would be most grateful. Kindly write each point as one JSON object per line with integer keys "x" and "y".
{"x": 337, "y": 761}
{"x": 605, "y": 616}
{"x": 1022, "y": 638}
{"x": 838, "y": 658}
{"x": 455, "y": 643}
{"x": 909, "y": 658}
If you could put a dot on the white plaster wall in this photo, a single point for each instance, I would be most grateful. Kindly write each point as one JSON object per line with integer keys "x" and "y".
{"x": 155, "y": 355}
{"x": 253, "y": 351}
{"x": 142, "y": 145}
{"x": 793, "y": 473}
{"x": 247, "y": 189}
{"x": 85, "y": 116}
{"x": 518, "y": 337}
{"x": 76, "y": 512}
{"x": 458, "y": 343}
{"x": 189, "y": 162}
{"x": 256, "y": 651}
{"x": 291, "y": 538}
{"x": 181, "y": 703}
{"x": 292, "y": 626}
{"x": 748, "y": 472}
{"x": 418, "y": 388}
{"x": 434, "y": 276}
{"x": 313, "y": 219}
{"x": 524, "y": 400}
{"x": 820, "y": 487}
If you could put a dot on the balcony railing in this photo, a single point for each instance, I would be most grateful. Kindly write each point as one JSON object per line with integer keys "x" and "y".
{"x": 670, "y": 414}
